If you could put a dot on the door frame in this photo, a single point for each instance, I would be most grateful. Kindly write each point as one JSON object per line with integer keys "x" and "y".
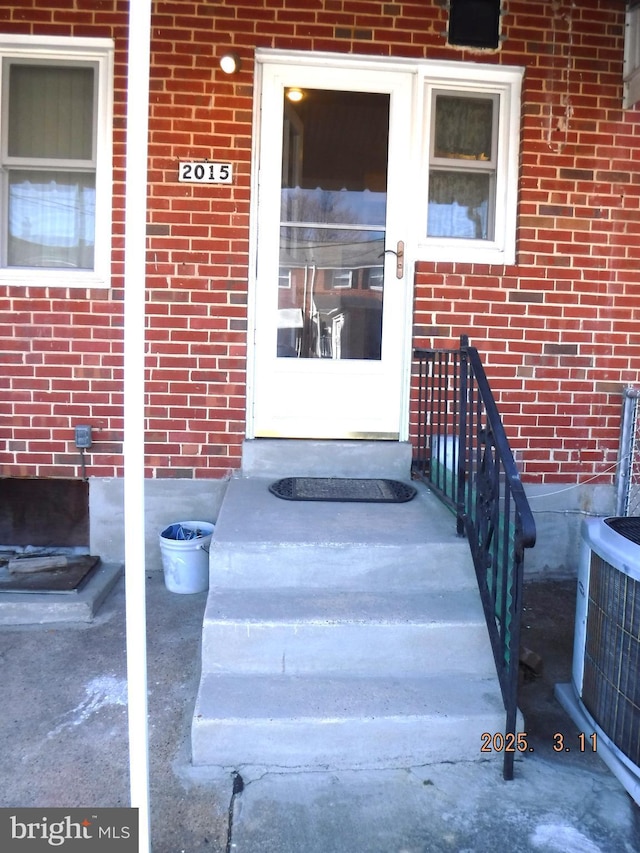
{"x": 346, "y": 63}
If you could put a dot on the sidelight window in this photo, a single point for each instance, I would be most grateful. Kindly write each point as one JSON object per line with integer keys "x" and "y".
{"x": 470, "y": 164}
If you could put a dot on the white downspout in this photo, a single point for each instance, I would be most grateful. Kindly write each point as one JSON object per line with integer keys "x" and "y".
{"x": 134, "y": 391}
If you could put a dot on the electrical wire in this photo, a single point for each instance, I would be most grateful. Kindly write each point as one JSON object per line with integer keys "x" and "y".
{"x": 82, "y": 463}
{"x": 584, "y": 482}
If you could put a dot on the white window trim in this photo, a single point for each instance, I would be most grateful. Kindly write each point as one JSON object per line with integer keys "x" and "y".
{"x": 631, "y": 69}
{"x": 101, "y": 53}
{"x": 506, "y": 82}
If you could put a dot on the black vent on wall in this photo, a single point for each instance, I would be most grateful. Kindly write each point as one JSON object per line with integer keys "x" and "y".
{"x": 45, "y": 513}
{"x": 611, "y": 680}
{"x": 474, "y": 23}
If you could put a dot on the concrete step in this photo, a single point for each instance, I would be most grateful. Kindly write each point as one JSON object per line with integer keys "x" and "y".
{"x": 268, "y": 457}
{"x": 340, "y": 635}
{"x": 342, "y": 722}
{"x": 297, "y": 631}
{"x": 262, "y": 541}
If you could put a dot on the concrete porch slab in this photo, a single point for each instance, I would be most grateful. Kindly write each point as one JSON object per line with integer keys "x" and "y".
{"x": 263, "y": 541}
{"x": 251, "y": 513}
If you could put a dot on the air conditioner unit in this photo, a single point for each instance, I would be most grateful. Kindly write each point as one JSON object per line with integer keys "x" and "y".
{"x": 604, "y": 696}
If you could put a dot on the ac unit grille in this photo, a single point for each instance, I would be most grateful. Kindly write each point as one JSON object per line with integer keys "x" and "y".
{"x": 625, "y": 525}
{"x": 611, "y": 679}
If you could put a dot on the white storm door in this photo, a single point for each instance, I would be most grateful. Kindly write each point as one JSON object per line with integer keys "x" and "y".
{"x": 332, "y": 300}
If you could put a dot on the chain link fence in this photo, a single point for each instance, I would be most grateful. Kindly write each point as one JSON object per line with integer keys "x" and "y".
{"x": 628, "y": 486}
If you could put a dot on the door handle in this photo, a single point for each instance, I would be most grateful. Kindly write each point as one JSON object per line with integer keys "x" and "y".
{"x": 399, "y": 253}
{"x": 400, "y": 259}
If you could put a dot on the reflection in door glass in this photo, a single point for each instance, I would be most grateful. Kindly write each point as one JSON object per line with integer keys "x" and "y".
{"x": 333, "y": 213}
{"x": 330, "y": 294}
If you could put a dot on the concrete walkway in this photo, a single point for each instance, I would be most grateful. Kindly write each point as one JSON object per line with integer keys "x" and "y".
{"x": 64, "y": 733}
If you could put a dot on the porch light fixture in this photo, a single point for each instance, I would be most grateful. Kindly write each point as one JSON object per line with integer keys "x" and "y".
{"x": 295, "y": 95}
{"x": 230, "y": 63}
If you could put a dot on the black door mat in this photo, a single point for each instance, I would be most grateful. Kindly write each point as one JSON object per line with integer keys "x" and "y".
{"x": 69, "y": 579}
{"x": 342, "y": 489}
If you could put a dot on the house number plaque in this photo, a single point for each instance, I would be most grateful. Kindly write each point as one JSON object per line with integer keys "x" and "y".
{"x": 205, "y": 173}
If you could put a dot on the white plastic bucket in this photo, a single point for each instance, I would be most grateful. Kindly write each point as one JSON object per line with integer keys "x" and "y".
{"x": 185, "y": 561}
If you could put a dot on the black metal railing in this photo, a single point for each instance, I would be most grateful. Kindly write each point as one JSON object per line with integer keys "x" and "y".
{"x": 463, "y": 453}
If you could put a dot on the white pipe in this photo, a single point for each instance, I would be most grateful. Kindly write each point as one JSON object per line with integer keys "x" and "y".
{"x": 134, "y": 351}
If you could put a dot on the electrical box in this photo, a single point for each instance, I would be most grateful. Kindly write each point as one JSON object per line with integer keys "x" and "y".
{"x": 83, "y": 436}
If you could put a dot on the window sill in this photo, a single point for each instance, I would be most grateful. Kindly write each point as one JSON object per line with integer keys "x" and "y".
{"x": 456, "y": 251}
{"x": 53, "y": 278}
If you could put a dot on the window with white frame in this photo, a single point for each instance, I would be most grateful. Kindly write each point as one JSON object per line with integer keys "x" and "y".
{"x": 55, "y": 150}
{"x": 470, "y": 150}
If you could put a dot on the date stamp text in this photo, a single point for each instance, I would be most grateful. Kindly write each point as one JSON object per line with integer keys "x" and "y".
{"x": 519, "y": 742}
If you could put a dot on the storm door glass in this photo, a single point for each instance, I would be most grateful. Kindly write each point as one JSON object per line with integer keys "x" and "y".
{"x": 332, "y": 224}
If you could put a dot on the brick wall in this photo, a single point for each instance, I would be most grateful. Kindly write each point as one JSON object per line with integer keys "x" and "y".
{"x": 559, "y": 330}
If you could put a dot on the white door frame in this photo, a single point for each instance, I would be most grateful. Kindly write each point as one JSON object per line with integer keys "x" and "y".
{"x": 352, "y": 64}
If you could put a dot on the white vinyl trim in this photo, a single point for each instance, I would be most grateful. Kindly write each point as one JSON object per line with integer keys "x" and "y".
{"x": 476, "y": 79}
{"x": 99, "y": 52}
